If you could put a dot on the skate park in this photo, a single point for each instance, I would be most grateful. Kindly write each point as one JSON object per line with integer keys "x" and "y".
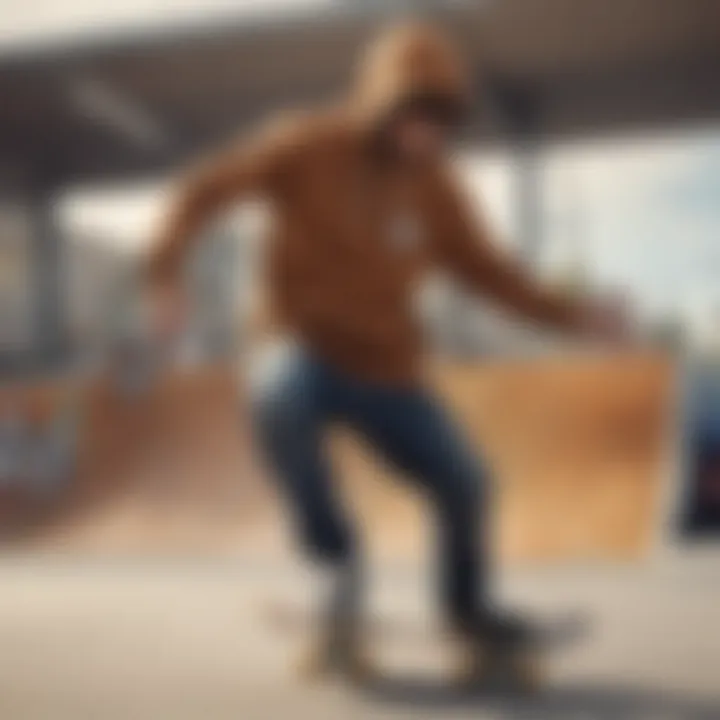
{"x": 133, "y": 588}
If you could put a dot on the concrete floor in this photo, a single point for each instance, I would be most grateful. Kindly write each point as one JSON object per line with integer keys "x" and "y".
{"x": 91, "y": 640}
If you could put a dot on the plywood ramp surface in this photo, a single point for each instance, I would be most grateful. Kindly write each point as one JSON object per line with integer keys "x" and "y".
{"x": 575, "y": 449}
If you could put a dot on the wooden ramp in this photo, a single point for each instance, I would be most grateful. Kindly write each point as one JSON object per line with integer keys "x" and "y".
{"x": 166, "y": 470}
{"x": 578, "y": 452}
{"x": 576, "y": 448}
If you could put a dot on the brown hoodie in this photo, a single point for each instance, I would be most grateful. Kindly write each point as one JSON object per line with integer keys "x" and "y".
{"x": 351, "y": 236}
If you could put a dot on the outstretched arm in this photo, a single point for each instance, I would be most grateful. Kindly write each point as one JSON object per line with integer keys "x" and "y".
{"x": 463, "y": 244}
{"x": 255, "y": 166}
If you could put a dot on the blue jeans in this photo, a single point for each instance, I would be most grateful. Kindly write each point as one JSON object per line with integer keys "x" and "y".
{"x": 293, "y": 405}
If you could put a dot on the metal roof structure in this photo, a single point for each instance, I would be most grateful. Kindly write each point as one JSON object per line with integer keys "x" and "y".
{"x": 123, "y": 106}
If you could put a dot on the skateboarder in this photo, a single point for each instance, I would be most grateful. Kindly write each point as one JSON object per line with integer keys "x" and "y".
{"x": 363, "y": 202}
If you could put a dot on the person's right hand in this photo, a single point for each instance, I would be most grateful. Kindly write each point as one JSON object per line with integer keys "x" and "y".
{"x": 167, "y": 310}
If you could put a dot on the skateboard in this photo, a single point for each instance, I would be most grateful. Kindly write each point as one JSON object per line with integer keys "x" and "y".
{"x": 480, "y": 667}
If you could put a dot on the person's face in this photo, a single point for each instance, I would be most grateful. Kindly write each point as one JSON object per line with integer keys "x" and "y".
{"x": 417, "y": 138}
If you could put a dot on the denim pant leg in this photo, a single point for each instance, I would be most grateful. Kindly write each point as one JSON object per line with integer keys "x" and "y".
{"x": 415, "y": 434}
{"x": 290, "y": 416}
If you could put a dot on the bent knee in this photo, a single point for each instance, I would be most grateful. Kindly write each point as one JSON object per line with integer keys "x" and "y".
{"x": 329, "y": 542}
{"x": 464, "y": 490}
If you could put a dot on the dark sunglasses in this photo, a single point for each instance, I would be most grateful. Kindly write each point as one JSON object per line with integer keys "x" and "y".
{"x": 446, "y": 111}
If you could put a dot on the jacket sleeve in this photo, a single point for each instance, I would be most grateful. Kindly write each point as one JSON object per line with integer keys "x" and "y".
{"x": 255, "y": 166}
{"x": 462, "y": 244}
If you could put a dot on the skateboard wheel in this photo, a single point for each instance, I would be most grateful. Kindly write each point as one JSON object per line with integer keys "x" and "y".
{"x": 529, "y": 672}
{"x": 319, "y": 663}
{"x": 522, "y": 672}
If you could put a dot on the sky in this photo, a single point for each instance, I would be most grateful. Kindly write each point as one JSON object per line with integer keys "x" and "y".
{"x": 643, "y": 212}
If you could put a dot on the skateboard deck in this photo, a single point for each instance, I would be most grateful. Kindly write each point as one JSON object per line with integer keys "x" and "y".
{"x": 522, "y": 670}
